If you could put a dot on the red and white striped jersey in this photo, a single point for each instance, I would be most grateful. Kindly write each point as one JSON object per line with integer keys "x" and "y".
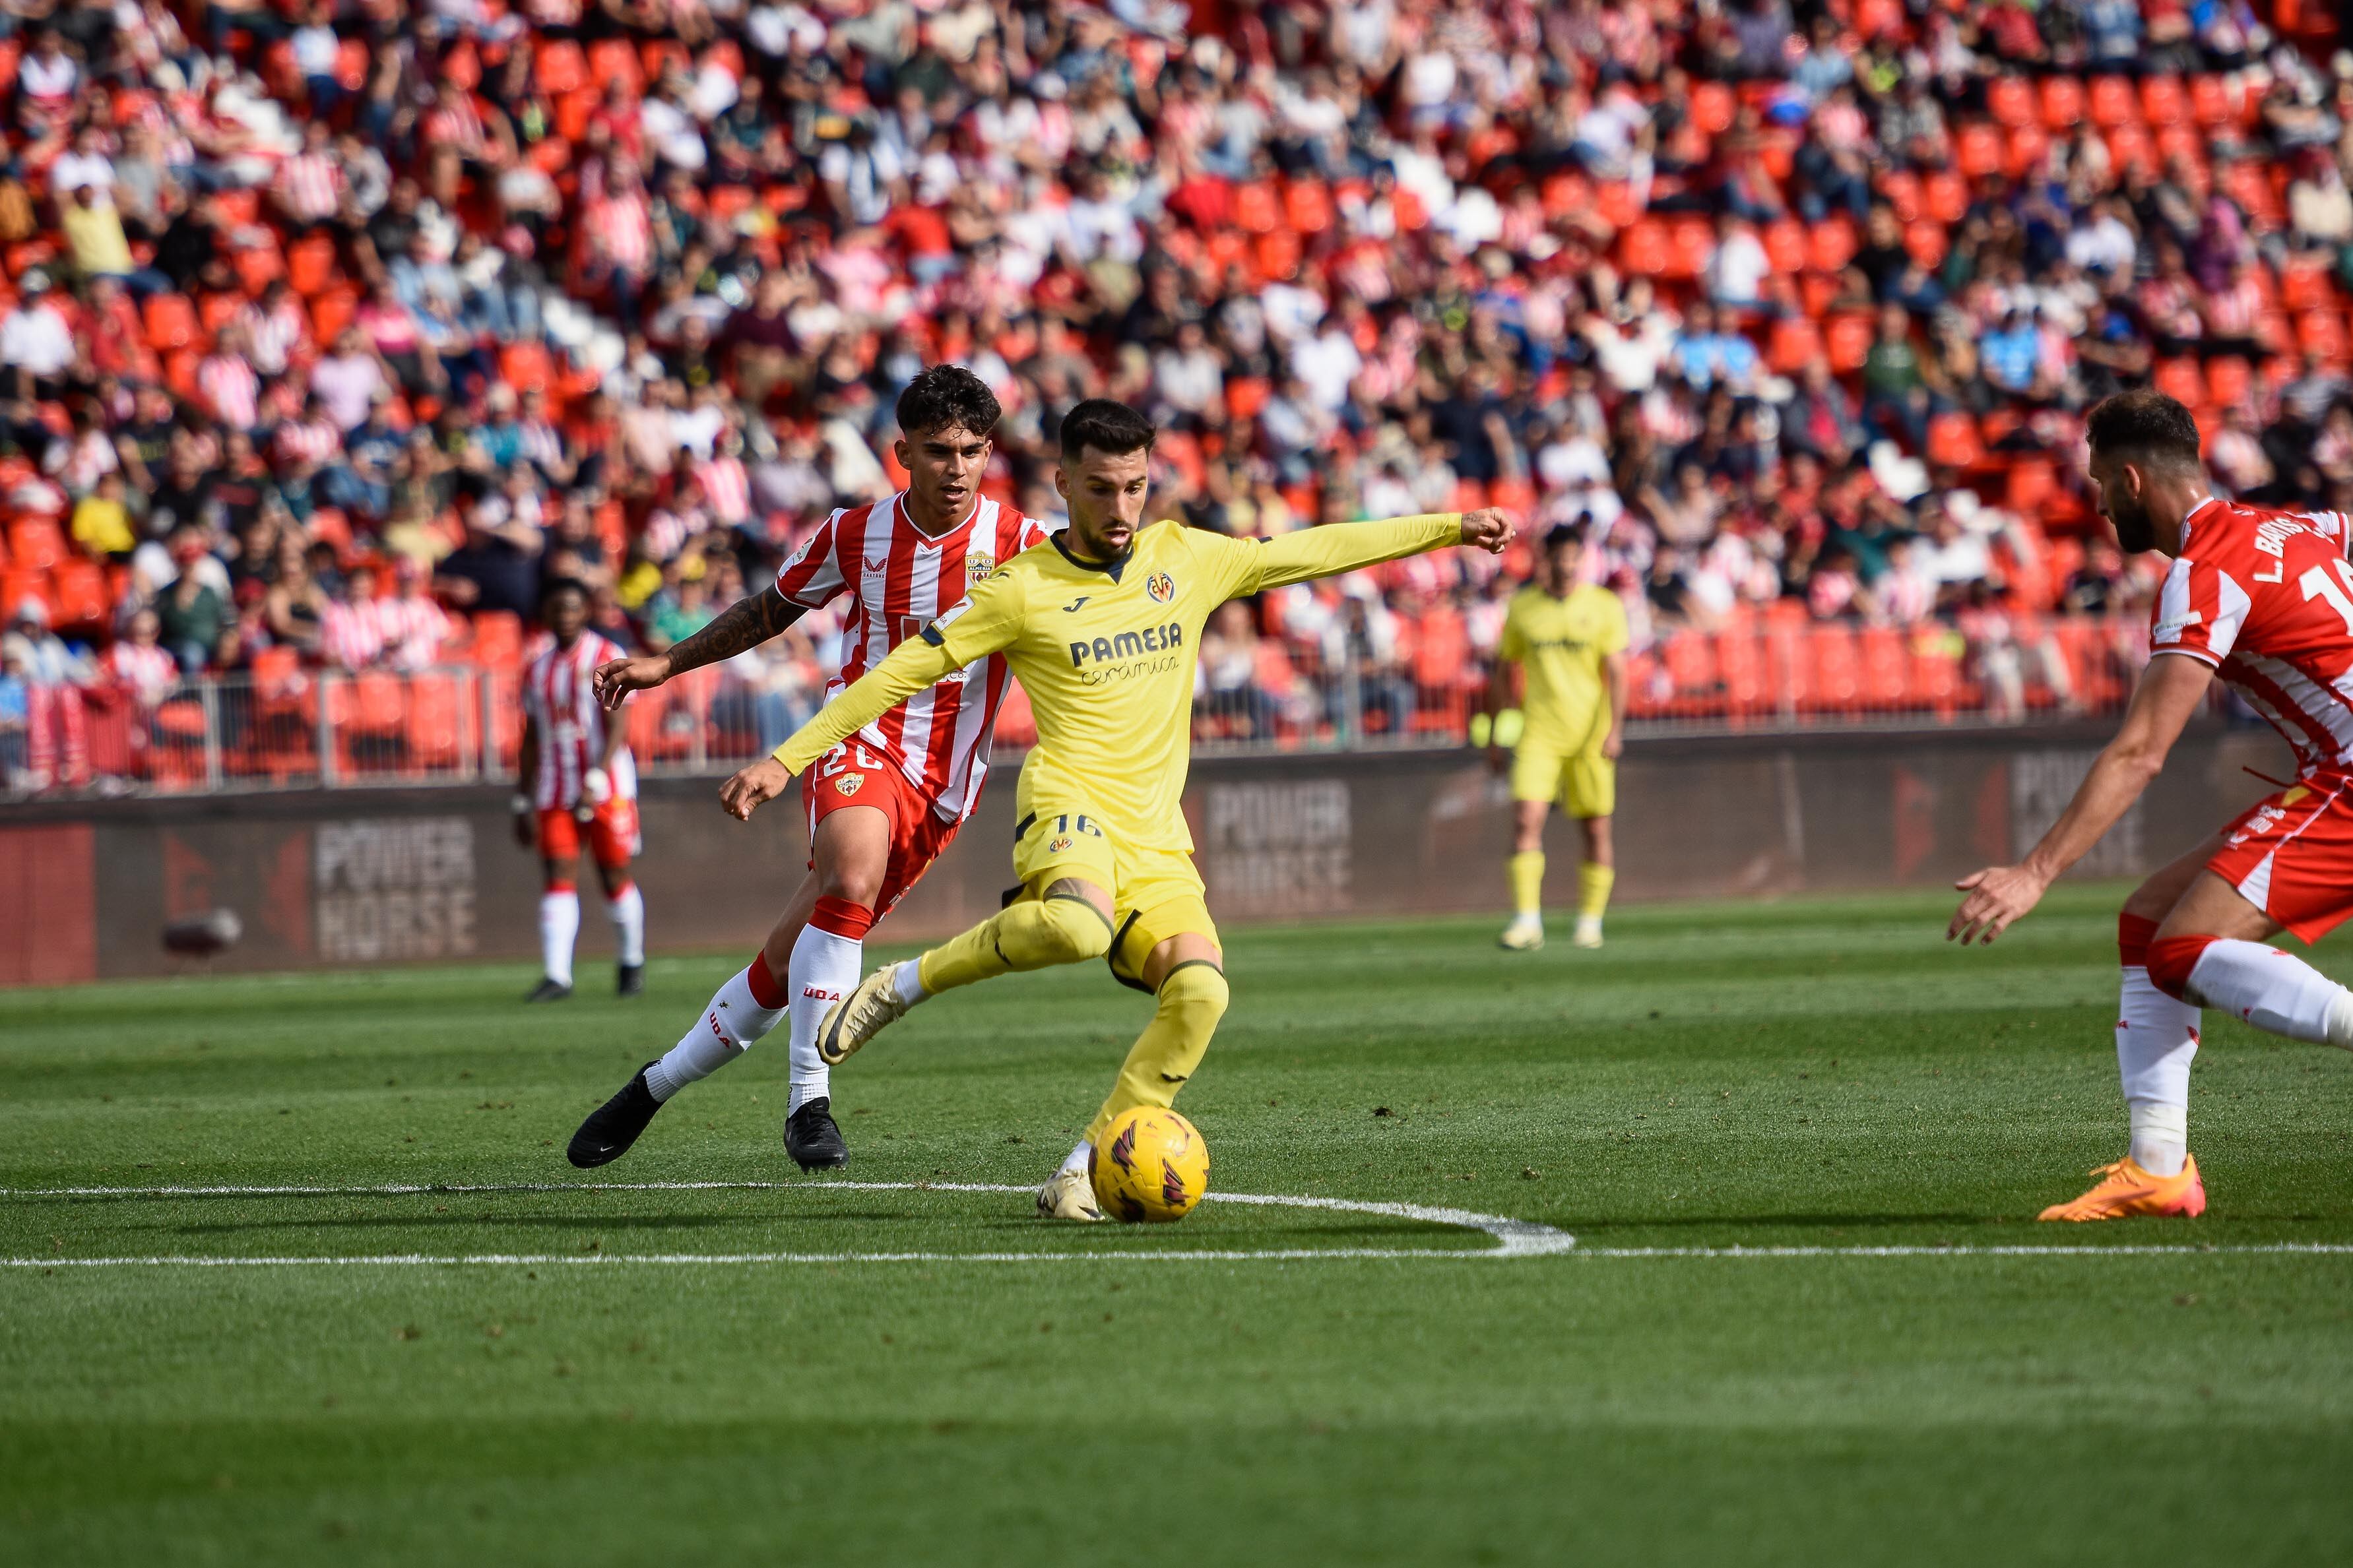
{"x": 900, "y": 580}
{"x": 2266, "y": 598}
{"x": 560, "y": 700}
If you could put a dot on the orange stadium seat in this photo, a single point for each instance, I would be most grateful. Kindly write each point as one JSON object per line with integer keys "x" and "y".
{"x": 2010, "y": 101}
{"x": 2112, "y": 102}
{"x": 2062, "y": 102}
{"x": 2162, "y": 101}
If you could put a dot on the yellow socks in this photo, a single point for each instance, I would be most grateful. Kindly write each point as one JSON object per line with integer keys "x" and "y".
{"x": 1527, "y": 868}
{"x": 1192, "y": 1000}
{"x": 1593, "y": 885}
{"x": 1036, "y": 933}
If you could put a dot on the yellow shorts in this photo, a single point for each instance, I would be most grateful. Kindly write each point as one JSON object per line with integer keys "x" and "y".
{"x": 1583, "y": 783}
{"x": 1155, "y": 894}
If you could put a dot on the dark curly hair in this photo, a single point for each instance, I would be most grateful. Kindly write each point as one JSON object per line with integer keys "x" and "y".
{"x": 2144, "y": 426}
{"x": 948, "y": 397}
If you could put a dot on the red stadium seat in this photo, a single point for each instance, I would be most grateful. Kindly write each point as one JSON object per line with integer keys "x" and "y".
{"x": 2180, "y": 380}
{"x": 1796, "y": 342}
{"x": 1690, "y": 242}
{"x": 1831, "y": 244}
{"x": 2229, "y": 381}
{"x": 498, "y": 639}
{"x": 1785, "y": 246}
{"x": 1927, "y": 242}
{"x": 2211, "y": 102}
{"x": 2162, "y": 101}
{"x": 1953, "y": 441}
{"x": 1613, "y": 203}
{"x": 1945, "y": 195}
{"x": 1256, "y": 210}
{"x": 1885, "y": 667}
{"x": 1980, "y": 148}
{"x": 2010, "y": 101}
{"x": 1838, "y": 668}
{"x": 78, "y": 593}
{"x": 1307, "y": 206}
{"x": 1643, "y": 248}
{"x": 559, "y": 67}
{"x": 1900, "y": 188}
{"x": 1846, "y": 335}
{"x": 2113, "y": 102}
{"x": 37, "y": 543}
{"x": 2062, "y": 102}
{"x": 1712, "y": 108}
{"x": 171, "y": 320}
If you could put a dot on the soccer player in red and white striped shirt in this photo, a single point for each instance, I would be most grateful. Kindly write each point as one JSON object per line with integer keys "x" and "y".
{"x": 881, "y": 807}
{"x": 2265, "y": 599}
{"x": 577, "y": 772}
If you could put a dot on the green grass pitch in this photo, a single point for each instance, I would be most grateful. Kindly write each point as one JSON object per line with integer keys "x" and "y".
{"x": 1820, "y": 1076}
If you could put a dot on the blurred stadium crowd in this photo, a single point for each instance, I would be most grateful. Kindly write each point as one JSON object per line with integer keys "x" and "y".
{"x": 330, "y": 328}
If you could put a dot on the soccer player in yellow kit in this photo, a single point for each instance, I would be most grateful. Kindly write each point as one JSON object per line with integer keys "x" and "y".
{"x": 1571, "y": 639}
{"x": 1101, "y": 624}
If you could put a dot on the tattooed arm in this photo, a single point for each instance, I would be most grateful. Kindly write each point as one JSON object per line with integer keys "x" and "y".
{"x": 747, "y": 623}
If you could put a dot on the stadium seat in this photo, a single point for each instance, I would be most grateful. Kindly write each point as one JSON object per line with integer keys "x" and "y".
{"x": 1690, "y": 242}
{"x": 2010, "y": 101}
{"x": 2180, "y": 380}
{"x": 2304, "y": 285}
{"x": 498, "y": 639}
{"x": 1795, "y": 343}
{"x": 78, "y": 593}
{"x": 2162, "y": 101}
{"x": 1307, "y": 206}
{"x": 37, "y": 543}
{"x": 1613, "y": 203}
{"x": 1255, "y": 208}
{"x": 2030, "y": 145}
{"x": 1831, "y": 244}
{"x": 1886, "y": 668}
{"x": 1980, "y": 148}
{"x": 1643, "y": 248}
{"x": 1953, "y": 440}
{"x": 1900, "y": 190}
{"x": 311, "y": 265}
{"x": 1837, "y": 668}
{"x": 2112, "y": 101}
{"x": 1741, "y": 666}
{"x": 1712, "y": 108}
{"x": 1846, "y": 335}
{"x": 1785, "y": 246}
{"x": 20, "y": 583}
{"x": 559, "y": 67}
{"x": 1945, "y": 195}
{"x": 2228, "y": 380}
{"x": 2062, "y": 102}
{"x": 2211, "y": 102}
{"x": 172, "y": 324}
{"x": 1926, "y": 241}
{"x": 1690, "y": 662}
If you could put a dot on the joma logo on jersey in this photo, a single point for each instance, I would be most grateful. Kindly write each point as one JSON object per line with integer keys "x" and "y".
{"x": 1127, "y": 644}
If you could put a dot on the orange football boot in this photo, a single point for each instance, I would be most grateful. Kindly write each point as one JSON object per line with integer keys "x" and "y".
{"x": 2125, "y": 1189}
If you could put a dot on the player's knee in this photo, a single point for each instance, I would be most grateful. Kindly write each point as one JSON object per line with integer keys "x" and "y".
{"x": 2171, "y": 961}
{"x": 1197, "y": 992}
{"x": 852, "y": 884}
{"x": 1068, "y": 931}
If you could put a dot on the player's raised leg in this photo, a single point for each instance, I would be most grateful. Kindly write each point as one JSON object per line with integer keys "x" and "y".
{"x": 1184, "y": 972}
{"x": 744, "y": 1008}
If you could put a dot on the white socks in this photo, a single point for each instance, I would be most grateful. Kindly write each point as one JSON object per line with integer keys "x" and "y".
{"x": 626, "y": 911}
{"x": 2275, "y": 990}
{"x": 824, "y": 967}
{"x": 908, "y": 982}
{"x": 2155, "y": 1038}
{"x": 734, "y": 1020}
{"x": 1082, "y": 1159}
{"x": 559, "y": 924}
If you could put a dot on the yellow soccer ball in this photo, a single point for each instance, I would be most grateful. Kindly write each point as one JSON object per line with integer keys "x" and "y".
{"x": 1150, "y": 1166}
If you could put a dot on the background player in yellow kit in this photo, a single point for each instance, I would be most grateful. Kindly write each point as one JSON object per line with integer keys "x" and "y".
{"x": 1569, "y": 637}
{"x": 1100, "y": 624}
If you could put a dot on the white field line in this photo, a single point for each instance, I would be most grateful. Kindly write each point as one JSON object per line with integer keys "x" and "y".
{"x": 1515, "y": 1238}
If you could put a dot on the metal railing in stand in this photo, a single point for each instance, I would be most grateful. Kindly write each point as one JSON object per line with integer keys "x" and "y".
{"x": 313, "y": 728}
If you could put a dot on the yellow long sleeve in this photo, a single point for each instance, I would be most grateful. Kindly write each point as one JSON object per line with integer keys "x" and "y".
{"x": 1340, "y": 547}
{"x": 910, "y": 667}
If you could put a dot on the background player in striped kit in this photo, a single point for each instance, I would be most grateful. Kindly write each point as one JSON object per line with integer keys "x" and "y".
{"x": 577, "y": 774}
{"x": 886, "y": 802}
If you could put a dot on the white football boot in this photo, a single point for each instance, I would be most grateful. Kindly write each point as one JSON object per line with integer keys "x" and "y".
{"x": 1588, "y": 931}
{"x": 1069, "y": 1195}
{"x": 1524, "y": 934}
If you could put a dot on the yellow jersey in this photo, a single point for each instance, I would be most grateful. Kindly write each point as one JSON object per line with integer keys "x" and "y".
{"x": 1562, "y": 645}
{"x": 1106, "y": 651}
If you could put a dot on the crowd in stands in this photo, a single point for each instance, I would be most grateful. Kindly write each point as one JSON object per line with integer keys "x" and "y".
{"x": 331, "y": 329}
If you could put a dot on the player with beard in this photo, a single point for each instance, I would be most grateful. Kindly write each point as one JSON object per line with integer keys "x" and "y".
{"x": 2265, "y": 599}
{"x": 887, "y": 800}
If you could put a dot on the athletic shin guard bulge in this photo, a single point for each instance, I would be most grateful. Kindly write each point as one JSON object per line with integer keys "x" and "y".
{"x": 1190, "y": 1002}
{"x": 1032, "y": 934}
{"x": 826, "y": 960}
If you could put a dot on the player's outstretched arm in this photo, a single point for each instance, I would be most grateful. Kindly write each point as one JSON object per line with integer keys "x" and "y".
{"x": 983, "y": 624}
{"x": 745, "y": 623}
{"x": 1339, "y": 547}
{"x": 2000, "y": 896}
